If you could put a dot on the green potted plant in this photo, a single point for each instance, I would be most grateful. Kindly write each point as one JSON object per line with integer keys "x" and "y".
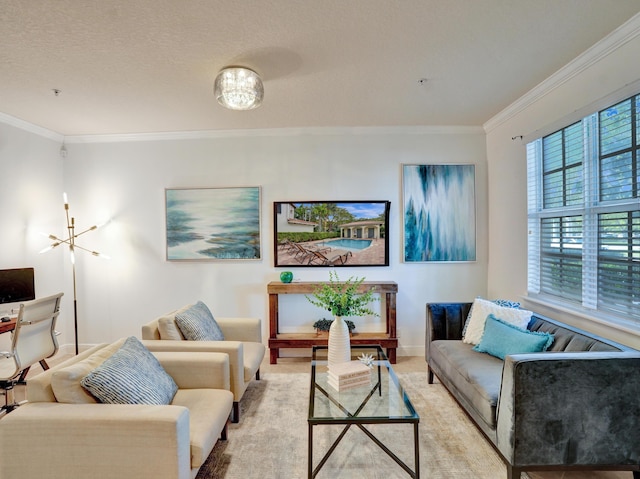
{"x": 342, "y": 299}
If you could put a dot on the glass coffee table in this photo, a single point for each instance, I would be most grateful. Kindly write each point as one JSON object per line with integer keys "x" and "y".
{"x": 383, "y": 401}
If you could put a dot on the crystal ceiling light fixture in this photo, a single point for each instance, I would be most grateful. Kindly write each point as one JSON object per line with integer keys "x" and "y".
{"x": 238, "y": 88}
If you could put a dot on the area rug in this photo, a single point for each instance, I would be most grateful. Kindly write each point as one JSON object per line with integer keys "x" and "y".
{"x": 270, "y": 441}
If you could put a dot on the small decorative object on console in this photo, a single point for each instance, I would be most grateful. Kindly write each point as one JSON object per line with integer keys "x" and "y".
{"x": 286, "y": 276}
{"x": 325, "y": 324}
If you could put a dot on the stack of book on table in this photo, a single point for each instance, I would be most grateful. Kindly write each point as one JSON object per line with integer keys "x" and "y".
{"x": 349, "y": 375}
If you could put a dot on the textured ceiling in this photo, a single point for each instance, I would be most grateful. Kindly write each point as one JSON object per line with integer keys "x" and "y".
{"x": 125, "y": 66}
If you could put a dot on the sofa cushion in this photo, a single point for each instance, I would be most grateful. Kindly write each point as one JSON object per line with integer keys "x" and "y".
{"x": 501, "y": 339}
{"x": 475, "y": 376}
{"x": 478, "y": 315}
{"x": 567, "y": 338}
{"x": 65, "y": 382}
{"x": 132, "y": 375}
{"x": 253, "y": 354}
{"x": 209, "y": 410}
{"x": 198, "y": 324}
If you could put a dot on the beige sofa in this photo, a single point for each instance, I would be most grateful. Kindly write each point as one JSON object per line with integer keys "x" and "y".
{"x": 49, "y": 439}
{"x": 242, "y": 342}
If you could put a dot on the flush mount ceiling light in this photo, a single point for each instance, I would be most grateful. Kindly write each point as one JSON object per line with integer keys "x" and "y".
{"x": 238, "y": 88}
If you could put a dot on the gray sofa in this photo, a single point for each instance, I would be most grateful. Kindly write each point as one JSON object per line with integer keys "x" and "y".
{"x": 575, "y": 406}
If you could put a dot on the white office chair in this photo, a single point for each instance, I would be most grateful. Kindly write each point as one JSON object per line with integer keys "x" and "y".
{"x": 33, "y": 341}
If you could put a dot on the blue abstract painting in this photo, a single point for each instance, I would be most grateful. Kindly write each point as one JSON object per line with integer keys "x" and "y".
{"x": 439, "y": 213}
{"x": 213, "y": 223}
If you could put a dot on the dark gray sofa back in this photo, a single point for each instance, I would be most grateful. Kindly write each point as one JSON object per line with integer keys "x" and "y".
{"x": 567, "y": 338}
{"x": 446, "y": 321}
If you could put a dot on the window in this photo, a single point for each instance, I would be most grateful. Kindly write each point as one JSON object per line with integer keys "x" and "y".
{"x": 584, "y": 213}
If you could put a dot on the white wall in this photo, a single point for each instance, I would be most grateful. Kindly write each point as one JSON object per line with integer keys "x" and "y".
{"x": 588, "y": 81}
{"x": 31, "y": 179}
{"x": 125, "y": 181}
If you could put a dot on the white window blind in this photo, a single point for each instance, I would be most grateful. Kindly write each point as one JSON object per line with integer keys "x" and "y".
{"x": 584, "y": 212}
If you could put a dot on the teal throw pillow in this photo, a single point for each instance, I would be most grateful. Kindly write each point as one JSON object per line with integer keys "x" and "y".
{"x": 131, "y": 375}
{"x": 501, "y": 339}
{"x": 198, "y": 324}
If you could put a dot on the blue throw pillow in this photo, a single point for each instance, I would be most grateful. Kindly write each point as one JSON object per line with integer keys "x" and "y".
{"x": 198, "y": 324}
{"x": 131, "y": 375}
{"x": 506, "y": 303}
{"x": 501, "y": 339}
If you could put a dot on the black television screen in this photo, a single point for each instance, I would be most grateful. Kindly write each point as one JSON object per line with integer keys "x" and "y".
{"x": 331, "y": 233}
{"x": 17, "y": 285}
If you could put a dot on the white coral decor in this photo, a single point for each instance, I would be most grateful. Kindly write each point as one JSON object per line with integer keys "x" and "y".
{"x": 366, "y": 359}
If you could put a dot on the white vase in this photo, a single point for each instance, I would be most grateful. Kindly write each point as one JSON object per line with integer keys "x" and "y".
{"x": 339, "y": 342}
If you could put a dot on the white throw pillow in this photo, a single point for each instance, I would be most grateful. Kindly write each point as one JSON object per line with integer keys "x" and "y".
{"x": 482, "y": 308}
{"x": 168, "y": 329}
{"x": 167, "y": 326}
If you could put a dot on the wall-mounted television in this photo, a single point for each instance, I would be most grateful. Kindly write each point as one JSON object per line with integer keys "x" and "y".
{"x": 17, "y": 285}
{"x": 331, "y": 233}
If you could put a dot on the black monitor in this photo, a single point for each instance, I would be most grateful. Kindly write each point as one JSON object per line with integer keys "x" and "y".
{"x": 17, "y": 285}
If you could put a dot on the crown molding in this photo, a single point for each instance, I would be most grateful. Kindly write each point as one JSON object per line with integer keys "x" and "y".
{"x": 30, "y": 127}
{"x": 620, "y": 36}
{"x": 275, "y": 132}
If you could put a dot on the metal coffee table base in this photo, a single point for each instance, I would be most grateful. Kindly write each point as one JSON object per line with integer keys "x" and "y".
{"x": 351, "y": 420}
{"x": 314, "y": 472}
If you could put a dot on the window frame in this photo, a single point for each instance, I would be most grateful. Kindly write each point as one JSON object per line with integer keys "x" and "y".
{"x": 593, "y": 209}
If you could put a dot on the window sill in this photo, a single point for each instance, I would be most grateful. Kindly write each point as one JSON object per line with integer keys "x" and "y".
{"x": 609, "y": 326}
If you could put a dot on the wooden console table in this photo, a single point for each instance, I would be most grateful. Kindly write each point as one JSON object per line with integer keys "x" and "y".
{"x": 386, "y": 339}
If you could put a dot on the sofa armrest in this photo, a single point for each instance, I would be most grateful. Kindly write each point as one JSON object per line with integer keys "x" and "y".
{"x": 241, "y": 329}
{"x": 444, "y": 321}
{"x": 197, "y": 370}
{"x": 579, "y": 408}
{"x": 100, "y": 441}
{"x": 234, "y": 349}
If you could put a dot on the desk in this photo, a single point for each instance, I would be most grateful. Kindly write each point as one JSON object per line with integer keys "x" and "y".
{"x": 7, "y": 328}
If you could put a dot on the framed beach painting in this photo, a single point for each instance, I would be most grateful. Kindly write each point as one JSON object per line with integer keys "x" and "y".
{"x": 209, "y": 224}
{"x": 439, "y": 213}
{"x": 331, "y": 233}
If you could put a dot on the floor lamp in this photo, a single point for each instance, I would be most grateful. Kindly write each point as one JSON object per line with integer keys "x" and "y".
{"x": 71, "y": 241}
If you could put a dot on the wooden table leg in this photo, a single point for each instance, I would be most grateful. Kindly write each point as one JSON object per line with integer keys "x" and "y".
{"x": 391, "y": 354}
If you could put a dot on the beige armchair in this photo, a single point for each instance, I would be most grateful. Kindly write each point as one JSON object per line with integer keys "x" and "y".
{"x": 62, "y": 433}
{"x": 242, "y": 342}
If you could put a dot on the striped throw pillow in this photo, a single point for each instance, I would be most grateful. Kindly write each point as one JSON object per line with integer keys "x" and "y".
{"x": 132, "y": 375}
{"x": 198, "y": 324}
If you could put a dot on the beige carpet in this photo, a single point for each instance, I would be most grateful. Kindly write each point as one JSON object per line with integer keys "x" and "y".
{"x": 271, "y": 439}
{"x": 270, "y": 442}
